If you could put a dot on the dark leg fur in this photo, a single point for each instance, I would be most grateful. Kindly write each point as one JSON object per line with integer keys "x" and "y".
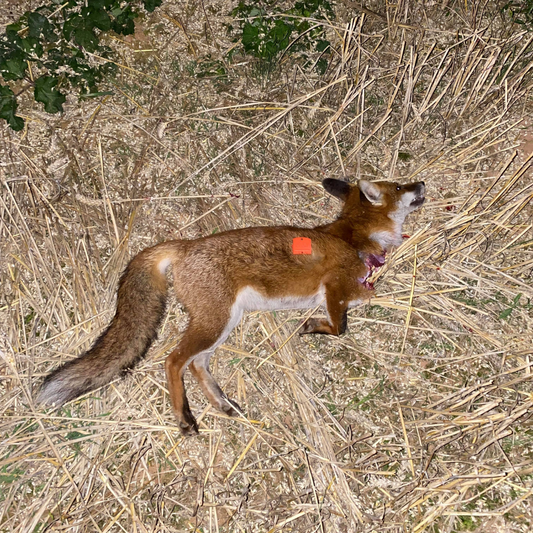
{"x": 200, "y": 370}
{"x": 337, "y": 311}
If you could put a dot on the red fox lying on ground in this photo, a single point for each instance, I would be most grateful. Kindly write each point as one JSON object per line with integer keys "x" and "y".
{"x": 219, "y": 277}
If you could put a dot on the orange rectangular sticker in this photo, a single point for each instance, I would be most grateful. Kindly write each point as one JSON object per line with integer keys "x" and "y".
{"x": 301, "y": 246}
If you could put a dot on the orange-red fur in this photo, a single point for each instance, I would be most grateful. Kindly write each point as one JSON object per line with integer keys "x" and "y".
{"x": 219, "y": 277}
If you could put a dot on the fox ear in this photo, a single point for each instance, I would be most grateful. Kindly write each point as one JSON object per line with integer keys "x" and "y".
{"x": 338, "y": 188}
{"x": 371, "y": 191}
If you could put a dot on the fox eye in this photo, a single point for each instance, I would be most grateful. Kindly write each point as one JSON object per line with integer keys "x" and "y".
{"x": 398, "y": 187}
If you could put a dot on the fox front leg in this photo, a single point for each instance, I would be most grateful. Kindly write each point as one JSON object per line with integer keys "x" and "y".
{"x": 337, "y": 308}
{"x": 324, "y": 326}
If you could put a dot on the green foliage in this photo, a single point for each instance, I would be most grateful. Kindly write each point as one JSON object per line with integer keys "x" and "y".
{"x": 266, "y": 31}
{"x": 521, "y": 12}
{"x": 500, "y": 300}
{"x": 50, "y": 48}
{"x": 8, "y": 477}
{"x": 207, "y": 68}
{"x": 404, "y": 156}
{"x": 46, "y": 93}
{"x": 375, "y": 392}
{"x": 466, "y": 523}
{"x": 8, "y": 107}
{"x": 506, "y": 313}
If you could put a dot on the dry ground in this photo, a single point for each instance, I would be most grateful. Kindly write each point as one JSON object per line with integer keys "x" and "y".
{"x": 418, "y": 419}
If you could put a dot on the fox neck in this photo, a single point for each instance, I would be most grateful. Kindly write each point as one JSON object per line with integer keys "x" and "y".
{"x": 371, "y": 231}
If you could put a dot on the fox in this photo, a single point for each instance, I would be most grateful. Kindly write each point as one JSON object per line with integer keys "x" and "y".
{"x": 219, "y": 277}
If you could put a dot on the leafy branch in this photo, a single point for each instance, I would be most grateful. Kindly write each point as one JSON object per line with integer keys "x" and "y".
{"x": 50, "y": 48}
{"x": 266, "y": 31}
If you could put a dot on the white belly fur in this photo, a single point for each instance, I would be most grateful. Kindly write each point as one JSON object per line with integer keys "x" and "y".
{"x": 249, "y": 299}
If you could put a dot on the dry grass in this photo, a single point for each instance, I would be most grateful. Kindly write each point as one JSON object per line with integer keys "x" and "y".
{"x": 418, "y": 419}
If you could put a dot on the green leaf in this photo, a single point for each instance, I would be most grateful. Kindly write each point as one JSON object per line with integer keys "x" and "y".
{"x": 73, "y": 435}
{"x": 71, "y": 24}
{"x": 321, "y": 45}
{"x": 100, "y": 4}
{"x": 31, "y": 45}
{"x": 36, "y": 24}
{"x": 150, "y": 5}
{"x": 8, "y": 106}
{"x": 250, "y": 37}
{"x": 256, "y": 12}
{"x": 123, "y": 23}
{"x": 15, "y": 27}
{"x": 282, "y": 33}
{"x": 505, "y": 313}
{"x": 12, "y": 34}
{"x": 46, "y": 93}
{"x": 14, "y": 68}
{"x": 404, "y": 156}
{"x": 321, "y": 66}
{"x": 94, "y": 95}
{"x": 86, "y": 38}
{"x": 97, "y": 18}
{"x": 514, "y": 304}
{"x": 8, "y": 478}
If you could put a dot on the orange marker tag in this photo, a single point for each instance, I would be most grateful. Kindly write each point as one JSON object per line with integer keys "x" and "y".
{"x": 301, "y": 246}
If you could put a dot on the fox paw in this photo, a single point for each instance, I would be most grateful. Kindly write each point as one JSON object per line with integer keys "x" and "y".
{"x": 323, "y": 327}
{"x": 309, "y": 326}
{"x": 188, "y": 430}
{"x": 231, "y": 408}
{"x": 187, "y": 424}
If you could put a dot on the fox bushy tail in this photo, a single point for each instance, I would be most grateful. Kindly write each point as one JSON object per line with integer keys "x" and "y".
{"x": 141, "y": 303}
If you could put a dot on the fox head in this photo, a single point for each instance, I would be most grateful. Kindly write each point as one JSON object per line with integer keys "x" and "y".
{"x": 388, "y": 196}
{"x": 376, "y": 210}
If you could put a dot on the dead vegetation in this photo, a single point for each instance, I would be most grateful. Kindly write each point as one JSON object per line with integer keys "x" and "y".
{"x": 418, "y": 419}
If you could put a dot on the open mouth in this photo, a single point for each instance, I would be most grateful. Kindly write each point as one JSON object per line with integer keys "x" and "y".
{"x": 418, "y": 201}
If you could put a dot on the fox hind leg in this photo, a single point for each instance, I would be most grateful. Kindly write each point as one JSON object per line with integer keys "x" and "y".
{"x": 200, "y": 370}
{"x": 195, "y": 349}
{"x": 194, "y": 341}
{"x": 175, "y": 365}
